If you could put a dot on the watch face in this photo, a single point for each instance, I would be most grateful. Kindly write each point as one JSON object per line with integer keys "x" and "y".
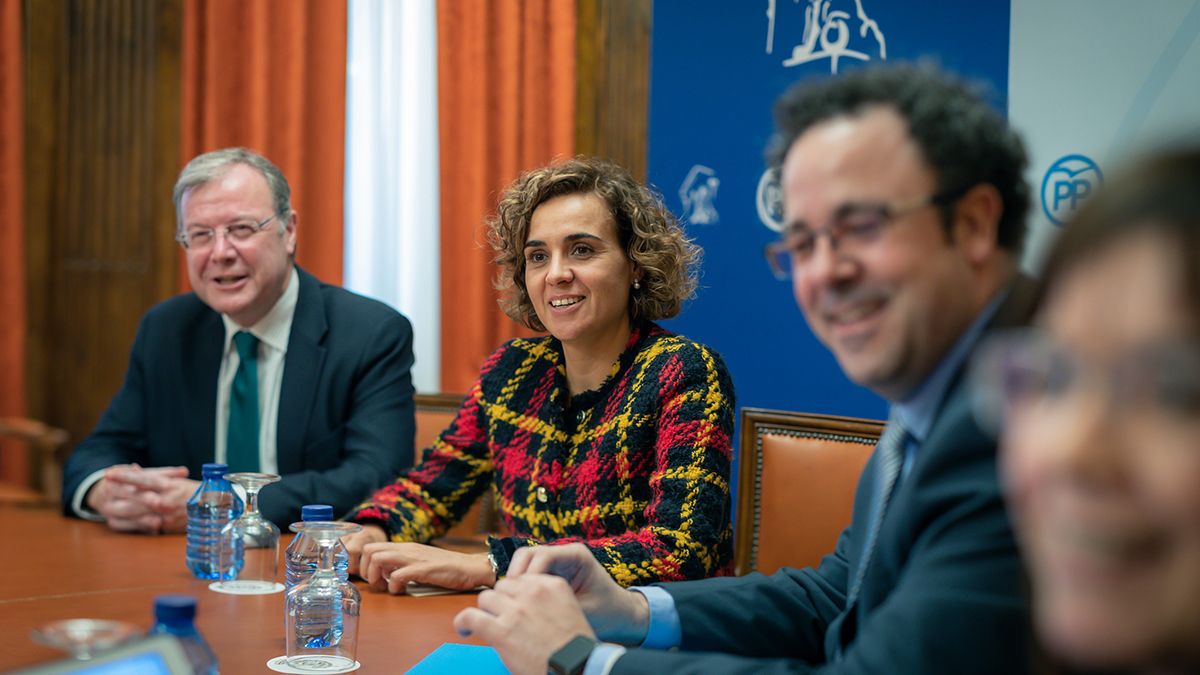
{"x": 572, "y": 657}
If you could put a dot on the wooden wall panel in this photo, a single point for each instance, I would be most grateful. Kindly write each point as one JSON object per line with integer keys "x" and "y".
{"x": 102, "y": 131}
{"x": 613, "y": 80}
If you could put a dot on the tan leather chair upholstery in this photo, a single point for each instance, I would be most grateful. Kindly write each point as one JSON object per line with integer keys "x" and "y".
{"x": 796, "y": 480}
{"x": 435, "y": 412}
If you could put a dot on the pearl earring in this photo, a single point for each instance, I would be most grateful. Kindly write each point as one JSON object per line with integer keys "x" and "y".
{"x": 636, "y": 284}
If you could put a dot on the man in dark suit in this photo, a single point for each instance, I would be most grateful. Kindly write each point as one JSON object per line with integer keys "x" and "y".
{"x": 262, "y": 367}
{"x": 904, "y": 205}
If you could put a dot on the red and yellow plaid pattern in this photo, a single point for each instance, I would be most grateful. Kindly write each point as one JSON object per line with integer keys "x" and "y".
{"x": 637, "y": 470}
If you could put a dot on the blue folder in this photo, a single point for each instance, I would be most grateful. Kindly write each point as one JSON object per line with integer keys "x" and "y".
{"x": 456, "y": 658}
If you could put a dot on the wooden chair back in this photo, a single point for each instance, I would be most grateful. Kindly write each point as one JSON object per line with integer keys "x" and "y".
{"x": 796, "y": 480}
{"x": 44, "y": 444}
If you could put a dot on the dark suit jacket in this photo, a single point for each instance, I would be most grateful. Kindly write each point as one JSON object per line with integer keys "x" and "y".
{"x": 943, "y": 593}
{"x": 345, "y": 423}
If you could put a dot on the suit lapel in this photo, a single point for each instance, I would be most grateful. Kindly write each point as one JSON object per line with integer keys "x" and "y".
{"x": 301, "y": 373}
{"x": 201, "y": 360}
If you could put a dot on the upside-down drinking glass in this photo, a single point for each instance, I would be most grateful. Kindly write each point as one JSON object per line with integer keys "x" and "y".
{"x": 84, "y": 638}
{"x": 251, "y": 542}
{"x": 322, "y": 613}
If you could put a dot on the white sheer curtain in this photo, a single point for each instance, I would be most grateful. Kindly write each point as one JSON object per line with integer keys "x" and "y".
{"x": 392, "y": 223}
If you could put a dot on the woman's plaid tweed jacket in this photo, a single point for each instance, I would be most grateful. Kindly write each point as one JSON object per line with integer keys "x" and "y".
{"x": 637, "y": 470}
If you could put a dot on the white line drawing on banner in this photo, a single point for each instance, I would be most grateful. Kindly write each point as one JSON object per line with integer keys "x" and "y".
{"x": 698, "y": 192}
{"x": 827, "y": 34}
{"x": 770, "y": 25}
{"x": 768, "y": 199}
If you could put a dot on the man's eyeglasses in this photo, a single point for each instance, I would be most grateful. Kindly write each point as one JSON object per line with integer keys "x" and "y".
{"x": 202, "y": 238}
{"x": 852, "y": 228}
{"x": 1028, "y": 370}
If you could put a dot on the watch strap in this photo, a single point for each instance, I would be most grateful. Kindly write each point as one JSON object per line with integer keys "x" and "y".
{"x": 501, "y": 550}
{"x": 571, "y": 658}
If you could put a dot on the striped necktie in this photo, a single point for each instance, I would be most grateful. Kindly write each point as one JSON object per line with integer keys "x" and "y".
{"x": 241, "y": 445}
{"x": 891, "y": 457}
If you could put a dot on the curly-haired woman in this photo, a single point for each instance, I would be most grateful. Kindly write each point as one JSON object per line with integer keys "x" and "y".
{"x": 611, "y": 431}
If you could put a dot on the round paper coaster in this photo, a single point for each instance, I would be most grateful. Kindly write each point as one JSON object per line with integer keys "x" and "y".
{"x": 246, "y": 587}
{"x": 313, "y": 664}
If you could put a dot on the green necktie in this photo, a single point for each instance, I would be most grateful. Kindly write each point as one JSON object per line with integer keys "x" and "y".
{"x": 241, "y": 446}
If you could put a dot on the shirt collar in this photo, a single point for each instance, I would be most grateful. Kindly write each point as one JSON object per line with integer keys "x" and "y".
{"x": 274, "y": 328}
{"x": 916, "y": 412}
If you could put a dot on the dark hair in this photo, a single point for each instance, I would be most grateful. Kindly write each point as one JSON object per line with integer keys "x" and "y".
{"x": 964, "y": 140}
{"x": 649, "y": 234}
{"x": 1158, "y": 195}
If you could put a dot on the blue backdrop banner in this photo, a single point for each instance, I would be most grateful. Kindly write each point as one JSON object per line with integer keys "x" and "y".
{"x": 716, "y": 69}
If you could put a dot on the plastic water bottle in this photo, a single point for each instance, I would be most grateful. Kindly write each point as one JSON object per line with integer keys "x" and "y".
{"x": 210, "y": 509}
{"x": 300, "y": 559}
{"x": 176, "y": 615}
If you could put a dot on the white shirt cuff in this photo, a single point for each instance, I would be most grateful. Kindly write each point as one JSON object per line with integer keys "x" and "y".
{"x": 602, "y": 659}
{"x": 77, "y": 506}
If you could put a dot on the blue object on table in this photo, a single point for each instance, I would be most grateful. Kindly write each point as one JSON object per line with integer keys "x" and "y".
{"x": 209, "y": 510}
{"x": 455, "y": 658}
{"x": 175, "y": 615}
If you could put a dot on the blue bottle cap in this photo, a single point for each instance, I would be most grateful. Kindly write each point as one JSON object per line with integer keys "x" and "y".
{"x": 214, "y": 470}
{"x": 169, "y": 608}
{"x": 316, "y": 513}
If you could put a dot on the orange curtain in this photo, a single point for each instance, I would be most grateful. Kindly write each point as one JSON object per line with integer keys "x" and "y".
{"x": 506, "y": 103}
{"x": 14, "y": 465}
{"x": 271, "y": 75}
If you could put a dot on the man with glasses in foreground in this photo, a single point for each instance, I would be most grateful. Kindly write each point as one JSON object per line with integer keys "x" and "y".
{"x": 904, "y": 204}
{"x": 262, "y": 367}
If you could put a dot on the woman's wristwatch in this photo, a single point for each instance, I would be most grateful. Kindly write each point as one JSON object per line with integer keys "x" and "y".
{"x": 573, "y": 656}
{"x": 495, "y": 565}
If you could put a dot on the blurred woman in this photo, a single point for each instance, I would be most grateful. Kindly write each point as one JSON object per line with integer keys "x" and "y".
{"x": 1101, "y": 446}
{"x": 610, "y": 431}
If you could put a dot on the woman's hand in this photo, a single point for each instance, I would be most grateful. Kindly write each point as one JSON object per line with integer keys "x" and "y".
{"x": 354, "y": 544}
{"x": 390, "y": 567}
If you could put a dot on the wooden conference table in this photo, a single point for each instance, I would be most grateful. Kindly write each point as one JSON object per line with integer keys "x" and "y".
{"x": 54, "y": 567}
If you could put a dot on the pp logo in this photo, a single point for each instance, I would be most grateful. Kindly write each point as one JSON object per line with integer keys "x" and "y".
{"x": 1067, "y": 183}
{"x": 768, "y": 200}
